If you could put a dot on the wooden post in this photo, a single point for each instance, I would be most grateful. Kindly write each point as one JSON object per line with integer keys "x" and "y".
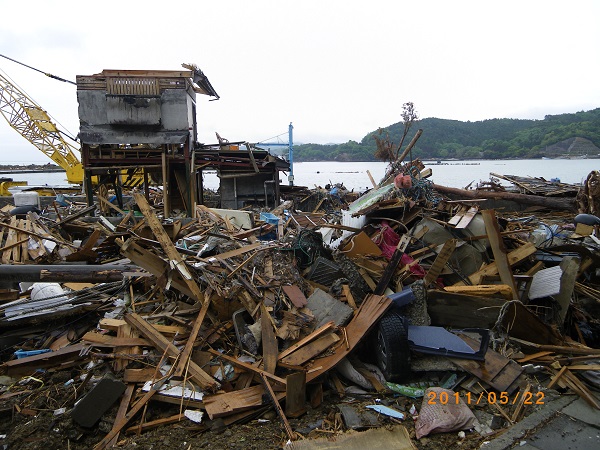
{"x": 499, "y": 250}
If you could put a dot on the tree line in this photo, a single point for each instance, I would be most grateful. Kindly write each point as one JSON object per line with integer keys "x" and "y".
{"x": 488, "y": 139}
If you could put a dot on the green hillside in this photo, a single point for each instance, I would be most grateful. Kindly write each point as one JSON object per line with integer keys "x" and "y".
{"x": 575, "y": 134}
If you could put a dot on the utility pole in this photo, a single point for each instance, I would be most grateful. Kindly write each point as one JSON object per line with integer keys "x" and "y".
{"x": 291, "y": 153}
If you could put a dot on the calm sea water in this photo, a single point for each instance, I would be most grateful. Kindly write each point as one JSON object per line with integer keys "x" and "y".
{"x": 354, "y": 174}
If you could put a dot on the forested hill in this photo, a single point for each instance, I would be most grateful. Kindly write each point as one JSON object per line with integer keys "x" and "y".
{"x": 575, "y": 135}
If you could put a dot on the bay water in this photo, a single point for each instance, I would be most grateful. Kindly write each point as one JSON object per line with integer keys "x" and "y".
{"x": 354, "y": 175}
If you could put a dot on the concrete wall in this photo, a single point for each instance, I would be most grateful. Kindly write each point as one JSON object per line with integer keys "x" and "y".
{"x": 100, "y": 114}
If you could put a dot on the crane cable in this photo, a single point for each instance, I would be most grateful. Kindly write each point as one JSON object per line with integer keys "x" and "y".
{"x": 41, "y": 71}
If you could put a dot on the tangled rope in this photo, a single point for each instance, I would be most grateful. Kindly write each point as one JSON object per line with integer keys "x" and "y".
{"x": 421, "y": 188}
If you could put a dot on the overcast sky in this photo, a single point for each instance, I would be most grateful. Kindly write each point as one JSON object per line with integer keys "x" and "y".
{"x": 336, "y": 69}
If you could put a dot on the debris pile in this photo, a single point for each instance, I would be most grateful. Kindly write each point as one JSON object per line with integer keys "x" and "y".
{"x": 349, "y": 314}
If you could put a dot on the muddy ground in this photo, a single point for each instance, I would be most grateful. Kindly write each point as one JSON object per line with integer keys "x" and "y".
{"x": 29, "y": 422}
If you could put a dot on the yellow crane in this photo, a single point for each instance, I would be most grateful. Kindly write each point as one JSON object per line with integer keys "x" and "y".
{"x": 33, "y": 123}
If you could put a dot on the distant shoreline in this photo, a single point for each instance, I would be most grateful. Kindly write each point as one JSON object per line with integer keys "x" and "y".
{"x": 29, "y": 168}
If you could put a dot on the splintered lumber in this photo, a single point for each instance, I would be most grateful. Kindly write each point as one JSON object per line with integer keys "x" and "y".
{"x": 312, "y": 336}
{"x": 184, "y": 357}
{"x": 349, "y": 297}
{"x": 168, "y": 246}
{"x": 562, "y": 203}
{"x": 570, "y": 380}
{"x": 153, "y": 264}
{"x": 309, "y": 351}
{"x": 519, "y": 408}
{"x": 467, "y": 218}
{"x": 162, "y": 343}
{"x": 138, "y": 375}
{"x": 366, "y": 317}
{"x": 499, "y": 250}
{"x": 247, "y": 367}
{"x": 514, "y": 257}
{"x": 219, "y": 405}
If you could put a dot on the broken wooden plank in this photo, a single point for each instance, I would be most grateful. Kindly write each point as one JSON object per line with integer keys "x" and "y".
{"x": 138, "y": 375}
{"x": 349, "y": 297}
{"x": 224, "y": 404}
{"x": 312, "y": 336}
{"x": 309, "y": 351}
{"x": 168, "y": 330}
{"x": 44, "y": 360}
{"x": 155, "y": 424}
{"x": 392, "y": 265}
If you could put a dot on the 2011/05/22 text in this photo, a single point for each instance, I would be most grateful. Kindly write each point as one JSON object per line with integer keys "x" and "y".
{"x": 501, "y": 398}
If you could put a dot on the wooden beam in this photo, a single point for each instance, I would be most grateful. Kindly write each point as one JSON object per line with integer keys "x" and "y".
{"x": 482, "y": 290}
{"x": 269, "y": 341}
{"x": 499, "y": 250}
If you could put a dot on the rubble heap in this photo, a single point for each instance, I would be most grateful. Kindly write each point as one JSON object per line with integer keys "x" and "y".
{"x": 353, "y": 313}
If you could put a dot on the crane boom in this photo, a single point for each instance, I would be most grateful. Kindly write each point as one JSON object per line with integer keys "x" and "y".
{"x": 35, "y": 125}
